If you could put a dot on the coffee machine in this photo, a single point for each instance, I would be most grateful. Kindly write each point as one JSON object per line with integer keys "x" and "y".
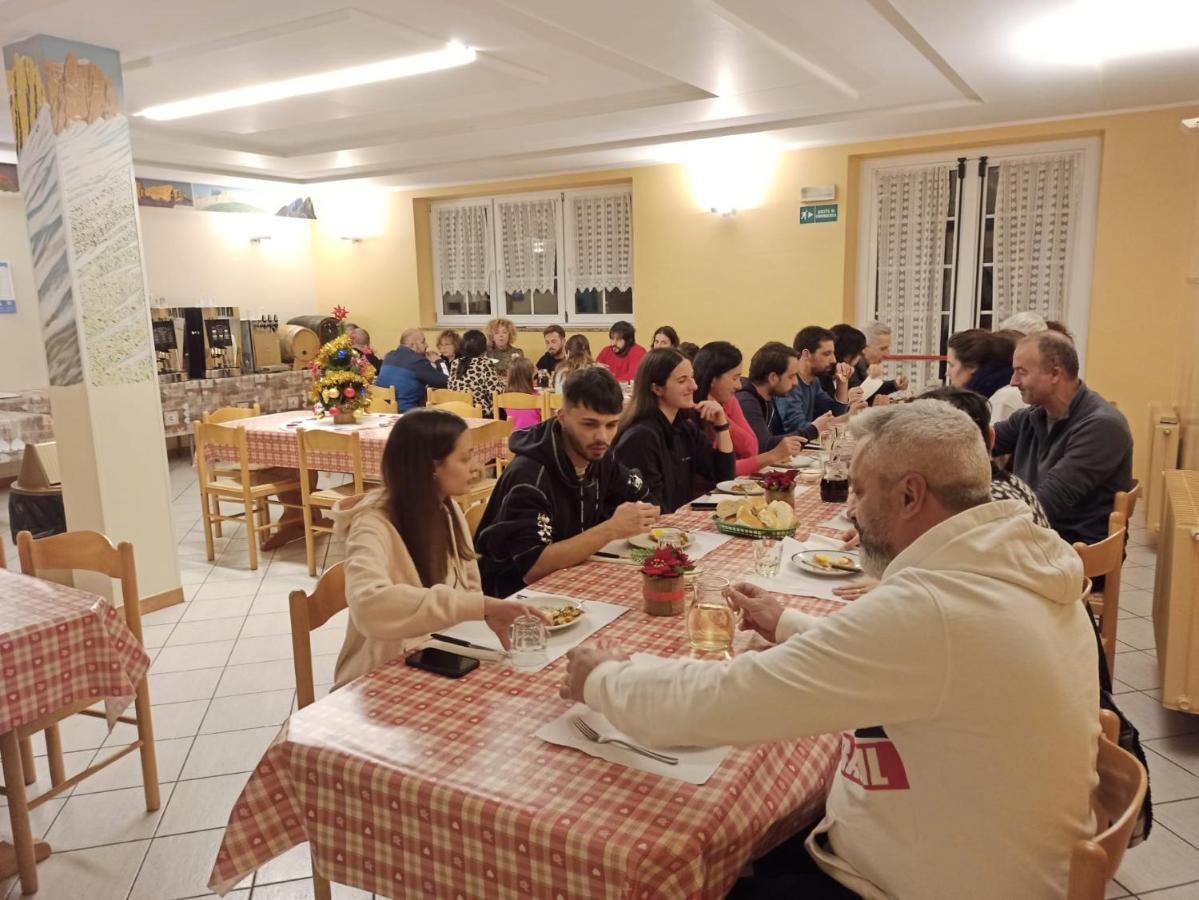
{"x": 260, "y": 345}
{"x": 167, "y": 327}
{"x": 210, "y": 341}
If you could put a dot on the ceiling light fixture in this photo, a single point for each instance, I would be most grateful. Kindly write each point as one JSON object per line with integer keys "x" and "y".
{"x": 455, "y": 54}
{"x": 1090, "y": 32}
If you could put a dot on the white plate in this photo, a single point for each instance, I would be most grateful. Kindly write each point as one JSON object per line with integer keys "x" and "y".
{"x": 802, "y": 561}
{"x": 803, "y": 461}
{"x": 755, "y": 489}
{"x": 647, "y": 542}
{"x": 550, "y": 603}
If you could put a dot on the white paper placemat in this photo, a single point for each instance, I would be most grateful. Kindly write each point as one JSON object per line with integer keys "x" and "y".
{"x": 793, "y": 580}
{"x": 839, "y": 522}
{"x": 702, "y": 543}
{"x": 559, "y": 643}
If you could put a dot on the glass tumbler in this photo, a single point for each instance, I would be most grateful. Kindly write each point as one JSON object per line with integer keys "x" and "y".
{"x": 768, "y": 557}
{"x": 528, "y": 635}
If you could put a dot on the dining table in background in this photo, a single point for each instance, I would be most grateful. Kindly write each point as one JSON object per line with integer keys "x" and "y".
{"x": 58, "y": 645}
{"x": 407, "y": 784}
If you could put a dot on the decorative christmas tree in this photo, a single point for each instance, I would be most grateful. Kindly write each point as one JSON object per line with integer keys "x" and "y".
{"x": 341, "y": 375}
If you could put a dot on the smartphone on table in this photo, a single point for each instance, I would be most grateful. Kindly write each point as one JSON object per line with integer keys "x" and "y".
{"x": 442, "y": 662}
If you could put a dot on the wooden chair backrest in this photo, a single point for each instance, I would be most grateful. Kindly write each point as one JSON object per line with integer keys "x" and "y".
{"x": 210, "y": 435}
{"x": 383, "y": 399}
{"x": 86, "y": 551}
{"x": 1106, "y": 558}
{"x": 553, "y": 401}
{"x": 322, "y": 440}
{"x": 516, "y": 400}
{"x": 492, "y": 432}
{"x": 1125, "y": 502}
{"x": 309, "y": 612}
{"x": 474, "y": 516}
{"x": 444, "y": 395}
{"x": 1117, "y": 801}
{"x": 231, "y": 414}
{"x": 458, "y": 408}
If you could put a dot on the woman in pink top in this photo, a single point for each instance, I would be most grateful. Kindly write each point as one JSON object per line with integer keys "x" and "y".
{"x": 624, "y": 355}
{"x": 718, "y": 375}
{"x": 520, "y": 381}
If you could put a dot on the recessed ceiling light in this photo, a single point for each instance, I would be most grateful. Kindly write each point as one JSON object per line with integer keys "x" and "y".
{"x": 455, "y": 54}
{"x": 1093, "y": 31}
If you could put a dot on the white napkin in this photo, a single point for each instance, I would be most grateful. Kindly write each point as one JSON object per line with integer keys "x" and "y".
{"x": 793, "y": 580}
{"x": 839, "y": 522}
{"x": 702, "y": 543}
{"x": 597, "y": 615}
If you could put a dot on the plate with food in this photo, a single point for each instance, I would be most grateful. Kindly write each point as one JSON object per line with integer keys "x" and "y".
{"x": 661, "y": 537}
{"x": 741, "y": 487}
{"x": 563, "y": 611}
{"x": 834, "y": 563}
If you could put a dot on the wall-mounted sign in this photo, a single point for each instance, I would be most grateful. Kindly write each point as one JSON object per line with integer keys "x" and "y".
{"x": 821, "y": 212}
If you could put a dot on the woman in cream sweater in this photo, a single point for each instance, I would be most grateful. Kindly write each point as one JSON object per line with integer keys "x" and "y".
{"x": 410, "y": 567}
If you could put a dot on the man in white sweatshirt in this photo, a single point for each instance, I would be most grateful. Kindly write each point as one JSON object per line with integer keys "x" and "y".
{"x": 965, "y": 682}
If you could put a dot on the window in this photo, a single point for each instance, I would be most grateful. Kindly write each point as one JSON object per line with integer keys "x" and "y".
{"x": 560, "y": 256}
{"x": 949, "y": 243}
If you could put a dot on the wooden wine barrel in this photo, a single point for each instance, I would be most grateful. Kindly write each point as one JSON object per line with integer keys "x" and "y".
{"x": 325, "y": 327}
{"x": 297, "y": 344}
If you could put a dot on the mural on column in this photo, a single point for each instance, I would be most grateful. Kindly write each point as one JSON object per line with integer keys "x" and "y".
{"x": 75, "y": 168}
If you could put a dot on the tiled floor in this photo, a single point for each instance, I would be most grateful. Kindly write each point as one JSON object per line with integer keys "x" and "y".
{"x": 222, "y": 682}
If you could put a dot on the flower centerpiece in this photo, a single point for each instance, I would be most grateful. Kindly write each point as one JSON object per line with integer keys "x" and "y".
{"x": 341, "y": 375}
{"x": 780, "y": 485}
{"x": 662, "y": 575}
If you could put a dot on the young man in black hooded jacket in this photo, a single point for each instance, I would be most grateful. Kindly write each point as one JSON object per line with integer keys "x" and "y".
{"x": 564, "y": 496}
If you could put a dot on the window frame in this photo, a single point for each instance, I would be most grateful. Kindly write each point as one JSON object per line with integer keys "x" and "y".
{"x": 569, "y": 235}
{"x": 444, "y": 318}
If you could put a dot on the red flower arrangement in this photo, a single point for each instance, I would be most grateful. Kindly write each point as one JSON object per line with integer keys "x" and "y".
{"x": 783, "y": 480}
{"x": 667, "y": 562}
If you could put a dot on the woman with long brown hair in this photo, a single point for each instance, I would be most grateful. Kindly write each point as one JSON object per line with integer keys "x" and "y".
{"x": 661, "y": 433}
{"x": 578, "y": 356}
{"x": 410, "y": 567}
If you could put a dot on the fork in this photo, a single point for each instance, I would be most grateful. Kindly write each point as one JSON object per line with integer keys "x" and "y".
{"x": 594, "y": 736}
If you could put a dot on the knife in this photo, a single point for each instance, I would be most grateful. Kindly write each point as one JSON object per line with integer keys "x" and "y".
{"x": 607, "y": 555}
{"x": 461, "y": 643}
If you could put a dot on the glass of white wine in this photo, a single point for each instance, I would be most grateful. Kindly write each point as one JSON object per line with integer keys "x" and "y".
{"x": 711, "y": 621}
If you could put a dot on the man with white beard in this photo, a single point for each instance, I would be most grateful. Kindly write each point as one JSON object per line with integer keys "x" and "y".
{"x": 973, "y": 648}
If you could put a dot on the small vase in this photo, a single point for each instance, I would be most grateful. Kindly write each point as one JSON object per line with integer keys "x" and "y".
{"x": 663, "y": 596}
{"x": 344, "y": 418}
{"x": 787, "y": 496}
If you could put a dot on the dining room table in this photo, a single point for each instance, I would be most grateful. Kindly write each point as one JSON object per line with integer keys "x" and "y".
{"x": 405, "y": 783}
{"x": 58, "y": 646}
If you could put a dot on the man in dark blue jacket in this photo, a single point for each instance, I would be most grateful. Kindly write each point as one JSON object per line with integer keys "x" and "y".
{"x": 408, "y": 370}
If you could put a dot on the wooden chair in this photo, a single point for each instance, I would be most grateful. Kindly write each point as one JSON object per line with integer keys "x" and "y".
{"x": 482, "y": 436}
{"x": 1125, "y": 502}
{"x": 308, "y": 613}
{"x": 223, "y": 416}
{"x": 231, "y": 414}
{"x": 514, "y": 400}
{"x": 318, "y": 440}
{"x": 1117, "y": 801}
{"x": 554, "y": 401}
{"x": 474, "y": 516}
{"x": 458, "y": 408}
{"x": 1106, "y": 558}
{"x": 254, "y": 490}
{"x": 89, "y": 551}
{"x": 436, "y": 396}
{"x": 383, "y": 399}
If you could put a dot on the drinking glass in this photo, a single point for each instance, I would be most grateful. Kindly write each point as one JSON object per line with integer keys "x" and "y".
{"x": 768, "y": 556}
{"x": 528, "y": 636}
{"x": 711, "y": 621}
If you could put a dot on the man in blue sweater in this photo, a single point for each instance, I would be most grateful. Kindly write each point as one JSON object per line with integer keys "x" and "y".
{"x": 808, "y": 409}
{"x": 408, "y": 369}
{"x": 1071, "y": 446}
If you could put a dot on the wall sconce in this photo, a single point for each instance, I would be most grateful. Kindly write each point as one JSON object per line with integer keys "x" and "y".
{"x": 352, "y": 238}
{"x": 259, "y": 238}
{"x": 724, "y": 211}
{"x": 731, "y": 174}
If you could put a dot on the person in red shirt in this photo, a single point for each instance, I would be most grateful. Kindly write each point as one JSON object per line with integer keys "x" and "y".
{"x": 718, "y": 376}
{"x": 624, "y": 355}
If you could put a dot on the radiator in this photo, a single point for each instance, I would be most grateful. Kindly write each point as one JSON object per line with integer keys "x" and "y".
{"x": 1163, "y": 456}
{"x": 1176, "y": 591}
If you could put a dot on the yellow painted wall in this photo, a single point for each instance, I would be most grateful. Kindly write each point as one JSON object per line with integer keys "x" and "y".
{"x": 759, "y": 275}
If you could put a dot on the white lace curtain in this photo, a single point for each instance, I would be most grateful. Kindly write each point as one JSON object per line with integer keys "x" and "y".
{"x": 1035, "y": 207}
{"x": 912, "y": 213}
{"x": 603, "y": 238}
{"x": 464, "y": 248}
{"x": 529, "y": 244}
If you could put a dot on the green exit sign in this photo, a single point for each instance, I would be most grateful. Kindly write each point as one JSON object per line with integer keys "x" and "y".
{"x": 821, "y": 212}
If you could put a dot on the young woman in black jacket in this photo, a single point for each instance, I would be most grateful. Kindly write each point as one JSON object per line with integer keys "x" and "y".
{"x": 661, "y": 434}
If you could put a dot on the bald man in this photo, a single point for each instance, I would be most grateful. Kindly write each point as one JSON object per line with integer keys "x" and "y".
{"x": 975, "y": 625}
{"x": 408, "y": 369}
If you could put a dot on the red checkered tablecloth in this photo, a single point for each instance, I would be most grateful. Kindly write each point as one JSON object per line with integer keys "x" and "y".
{"x": 271, "y": 441}
{"x": 408, "y": 784}
{"x": 59, "y": 645}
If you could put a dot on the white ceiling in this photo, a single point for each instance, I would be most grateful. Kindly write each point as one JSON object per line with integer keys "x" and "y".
{"x": 566, "y": 85}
